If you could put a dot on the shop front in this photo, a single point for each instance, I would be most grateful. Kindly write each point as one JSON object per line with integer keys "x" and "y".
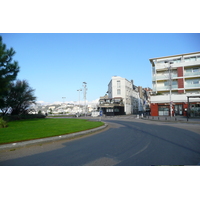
{"x": 178, "y": 109}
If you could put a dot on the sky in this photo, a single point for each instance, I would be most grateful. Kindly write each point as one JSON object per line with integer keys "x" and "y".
{"x": 57, "y": 64}
{"x": 61, "y": 45}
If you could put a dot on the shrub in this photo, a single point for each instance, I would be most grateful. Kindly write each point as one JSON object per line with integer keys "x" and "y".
{"x": 19, "y": 117}
{"x": 3, "y": 123}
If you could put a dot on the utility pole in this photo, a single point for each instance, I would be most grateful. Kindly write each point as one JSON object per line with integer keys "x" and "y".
{"x": 84, "y": 93}
{"x": 63, "y": 103}
{"x": 170, "y": 87}
{"x": 79, "y": 100}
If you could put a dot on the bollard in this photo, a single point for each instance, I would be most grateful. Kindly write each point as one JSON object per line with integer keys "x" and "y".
{"x": 158, "y": 118}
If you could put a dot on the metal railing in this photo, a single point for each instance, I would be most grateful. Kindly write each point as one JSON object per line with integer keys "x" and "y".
{"x": 191, "y": 73}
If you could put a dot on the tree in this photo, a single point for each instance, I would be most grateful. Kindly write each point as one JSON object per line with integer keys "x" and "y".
{"x": 15, "y": 97}
{"x": 20, "y": 97}
{"x": 8, "y": 70}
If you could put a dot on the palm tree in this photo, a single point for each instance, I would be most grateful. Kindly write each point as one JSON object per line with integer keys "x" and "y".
{"x": 20, "y": 97}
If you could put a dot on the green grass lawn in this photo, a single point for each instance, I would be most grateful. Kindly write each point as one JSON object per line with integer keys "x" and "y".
{"x": 41, "y": 128}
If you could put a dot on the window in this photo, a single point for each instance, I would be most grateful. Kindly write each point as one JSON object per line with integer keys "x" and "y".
{"x": 163, "y": 110}
{"x": 166, "y": 83}
{"x": 174, "y": 82}
{"x": 187, "y": 59}
{"x": 195, "y": 82}
{"x": 161, "y": 61}
{"x": 177, "y": 60}
{"x": 192, "y": 58}
{"x": 101, "y": 101}
{"x": 195, "y": 69}
{"x": 109, "y": 110}
{"x": 116, "y": 110}
{"x": 189, "y": 70}
{"x": 117, "y": 100}
{"x": 118, "y": 84}
{"x": 118, "y": 92}
{"x": 153, "y": 70}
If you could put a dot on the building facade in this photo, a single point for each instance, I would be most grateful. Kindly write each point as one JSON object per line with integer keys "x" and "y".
{"x": 111, "y": 106}
{"x": 174, "y": 78}
{"x": 121, "y": 87}
{"x": 123, "y": 97}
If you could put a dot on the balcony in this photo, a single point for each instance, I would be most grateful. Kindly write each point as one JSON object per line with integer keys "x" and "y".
{"x": 161, "y": 88}
{"x": 192, "y": 73}
{"x": 162, "y": 66}
{"x": 166, "y": 98}
{"x": 192, "y": 86}
{"x": 112, "y": 102}
{"x": 163, "y": 77}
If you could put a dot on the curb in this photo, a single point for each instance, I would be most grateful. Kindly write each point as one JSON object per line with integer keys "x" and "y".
{"x": 49, "y": 139}
{"x": 176, "y": 121}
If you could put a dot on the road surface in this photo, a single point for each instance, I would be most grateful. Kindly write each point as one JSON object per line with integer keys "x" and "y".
{"x": 128, "y": 142}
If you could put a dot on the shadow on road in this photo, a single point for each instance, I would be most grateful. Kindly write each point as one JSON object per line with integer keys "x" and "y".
{"x": 130, "y": 144}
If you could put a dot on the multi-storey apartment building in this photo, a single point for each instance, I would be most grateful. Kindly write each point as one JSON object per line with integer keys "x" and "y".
{"x": 123, "y": 98}
{"x": 174, "y": 79}
{"x": 121, "y": 87}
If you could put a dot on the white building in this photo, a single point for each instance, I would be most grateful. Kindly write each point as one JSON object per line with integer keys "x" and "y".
{"x": 120, "y": 87}
{"x": 175, "y": 78}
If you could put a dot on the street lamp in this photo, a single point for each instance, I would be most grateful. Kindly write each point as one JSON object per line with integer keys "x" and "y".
{"x": 85, "y": 89}
{"x": 63, "y": 103}
{"x": 170, "y": 87}
{"x": 79, "y": 99}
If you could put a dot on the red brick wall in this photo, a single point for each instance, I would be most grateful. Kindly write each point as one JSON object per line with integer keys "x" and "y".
{"x": 180, "y": 85}
{"x": 154, "y": 109}
{"x": 180, "y": 81}
{"x": 180, "y": 71}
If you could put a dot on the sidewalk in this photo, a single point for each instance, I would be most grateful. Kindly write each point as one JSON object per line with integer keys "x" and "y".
{"x": 180, "y": 119}
{"x": 172, "y": 119}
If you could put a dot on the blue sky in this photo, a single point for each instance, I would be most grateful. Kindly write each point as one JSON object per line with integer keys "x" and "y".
{"x": 56, "y": 64}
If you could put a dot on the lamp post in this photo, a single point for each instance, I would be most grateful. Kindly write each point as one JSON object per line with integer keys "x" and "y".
{"x": 170, "y": 87}
{"x": 79, "y": 99}
{"x": 85, "y": 89}
{"x": 63, "y": 102}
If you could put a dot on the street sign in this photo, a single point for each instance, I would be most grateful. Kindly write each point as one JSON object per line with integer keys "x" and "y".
{"x": 101, "y": 112}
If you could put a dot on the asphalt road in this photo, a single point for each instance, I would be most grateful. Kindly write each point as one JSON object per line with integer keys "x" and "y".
{"x": 125, "y": 143}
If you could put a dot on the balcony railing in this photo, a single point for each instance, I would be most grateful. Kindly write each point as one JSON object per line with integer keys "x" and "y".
{"x": 192, "y": 85}
{"x": 192, "y": 73}
{"x": 167, "y": 87}
{"x": 178, "y": 64}
{"x": 162, "y": 77}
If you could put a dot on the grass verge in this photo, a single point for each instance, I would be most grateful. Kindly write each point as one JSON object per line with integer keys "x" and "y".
{"x": 40, "y": 128}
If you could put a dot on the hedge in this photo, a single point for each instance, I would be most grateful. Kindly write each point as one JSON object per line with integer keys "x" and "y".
{"x": 20, "y": 117}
